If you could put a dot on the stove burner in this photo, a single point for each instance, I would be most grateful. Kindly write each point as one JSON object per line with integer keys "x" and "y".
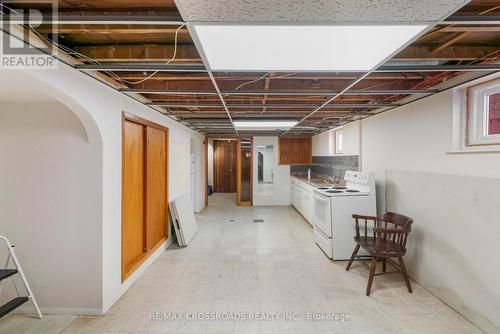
{"x": 334, "y": 191}
{"x": 323, "y": 188}
{"x": 339, "y": 187}
{"x": 352, "y": 191}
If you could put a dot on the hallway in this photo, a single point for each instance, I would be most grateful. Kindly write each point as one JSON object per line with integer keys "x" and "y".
{"x": 236, "y": 265}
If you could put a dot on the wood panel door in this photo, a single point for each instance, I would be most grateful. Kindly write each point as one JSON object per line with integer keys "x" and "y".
{"x": 133, "y": 237}
{"x": 225, "y": 166}
{"x": 156, "y": 189}
{"x": 144, "y": 191}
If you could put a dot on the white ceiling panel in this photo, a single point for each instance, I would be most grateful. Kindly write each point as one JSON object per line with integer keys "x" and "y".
{"x": 317, "y": 11}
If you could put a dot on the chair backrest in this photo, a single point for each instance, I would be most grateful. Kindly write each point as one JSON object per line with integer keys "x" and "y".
{"x": 399, "y": 220}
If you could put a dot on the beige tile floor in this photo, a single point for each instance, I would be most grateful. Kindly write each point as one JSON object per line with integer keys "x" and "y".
{"x": 235, "y": 265}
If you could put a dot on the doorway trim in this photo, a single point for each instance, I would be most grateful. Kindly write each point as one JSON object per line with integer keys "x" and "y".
{"x": 239, "y": 202}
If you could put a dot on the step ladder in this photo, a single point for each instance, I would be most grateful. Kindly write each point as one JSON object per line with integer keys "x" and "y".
{"x": 6, "y": 273}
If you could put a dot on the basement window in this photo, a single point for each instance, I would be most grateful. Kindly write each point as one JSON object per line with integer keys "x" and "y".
{"x": 339, "y": 141}
{"x": 483, "y": 114}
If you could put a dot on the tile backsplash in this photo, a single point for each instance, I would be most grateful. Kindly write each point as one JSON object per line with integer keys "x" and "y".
{"x": 332, "y": 166}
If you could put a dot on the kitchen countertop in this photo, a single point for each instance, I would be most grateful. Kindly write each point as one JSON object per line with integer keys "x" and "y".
{"x": 315, "y": 181}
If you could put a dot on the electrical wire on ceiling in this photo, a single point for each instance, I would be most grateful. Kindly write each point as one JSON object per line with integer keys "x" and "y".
{"x": 263, "y": 77}
{"x": 156, "y": 72}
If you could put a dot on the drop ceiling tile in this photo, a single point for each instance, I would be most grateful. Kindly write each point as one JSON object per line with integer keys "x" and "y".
{"x": 317, "y": 10}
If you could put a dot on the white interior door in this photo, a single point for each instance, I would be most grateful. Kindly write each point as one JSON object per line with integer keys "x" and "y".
{"x": 271, "y": 181}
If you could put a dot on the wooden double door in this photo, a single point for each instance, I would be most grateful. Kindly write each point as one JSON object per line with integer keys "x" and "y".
{"x": 144, "y": 191}
{"x": 225, "y": 158}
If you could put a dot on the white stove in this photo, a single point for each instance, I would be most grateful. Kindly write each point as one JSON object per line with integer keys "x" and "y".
{"x": 333, "y": 209}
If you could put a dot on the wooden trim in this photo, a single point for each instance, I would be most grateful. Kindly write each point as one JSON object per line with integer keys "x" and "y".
{"x": 139, "y": 120}
{"x": 238, "y": 171}
{"x": 126, "y": 272}
{"x": 239, "y": 202}
{"x": 468, "y": 113}
{"x": 206, "y": 169}
{"x": 123, "y": 271}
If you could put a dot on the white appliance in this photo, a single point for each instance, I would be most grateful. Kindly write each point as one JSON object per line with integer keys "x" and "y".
{"x": 334, "y": 227}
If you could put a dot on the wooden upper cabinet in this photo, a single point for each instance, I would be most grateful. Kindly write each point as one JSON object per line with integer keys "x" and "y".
{"x": 295, "y": 151}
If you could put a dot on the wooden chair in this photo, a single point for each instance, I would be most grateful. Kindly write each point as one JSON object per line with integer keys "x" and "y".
{"x": 387, "y": 240}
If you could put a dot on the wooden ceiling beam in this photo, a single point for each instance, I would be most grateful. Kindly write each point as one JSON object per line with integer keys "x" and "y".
{"x": 129, "y": 53}
{"x": 450, "y": 41}
{"x": 188, "y": 53}
{"x": 108, "y": 29}
{"x": 246, "y": 77}
{"x": 457, "y": 52}
{"x": 492, "y": 29}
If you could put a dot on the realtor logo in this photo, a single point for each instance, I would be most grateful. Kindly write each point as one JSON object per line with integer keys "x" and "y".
{"x": 21, "y": 46}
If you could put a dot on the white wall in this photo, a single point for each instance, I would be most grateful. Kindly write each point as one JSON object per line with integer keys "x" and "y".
{"x": 51, "y": 204}
{"x": 415, "y": 139}
{"x": 322, "y": 144}
{"x": 281, "y": 181}
{"x": 100, "y": 110}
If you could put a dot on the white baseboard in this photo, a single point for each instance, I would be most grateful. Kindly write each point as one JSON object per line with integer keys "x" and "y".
{"x": 58, "y": 311}
{"x": 138, "y": 273}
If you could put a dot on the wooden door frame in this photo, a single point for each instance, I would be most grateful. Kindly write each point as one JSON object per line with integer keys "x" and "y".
{"x": 207, "y": 138}
{"x": 239, "y": 202}
{"x": 206, "y": 169}
{"x": 144, "y": 122}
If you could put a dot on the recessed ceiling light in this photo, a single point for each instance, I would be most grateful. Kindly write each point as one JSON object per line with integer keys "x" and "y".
{"x": 264, "y": 124}
{"x": 301, "y": 47}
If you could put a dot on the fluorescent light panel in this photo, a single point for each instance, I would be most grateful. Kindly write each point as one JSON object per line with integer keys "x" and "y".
{"x": 301, "y": 48}
{"x": 264, "y": 124}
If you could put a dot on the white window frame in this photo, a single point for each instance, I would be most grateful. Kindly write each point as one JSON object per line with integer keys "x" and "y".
{"x": 476, "y": 127}
{"x": 336, "y": 134}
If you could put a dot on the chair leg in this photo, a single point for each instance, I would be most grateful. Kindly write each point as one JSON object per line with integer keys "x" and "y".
{"x": 372, "y": 274}
{"x": 356, "y": 249}
{"x": 384, "y": 264}
{"x": 405, "y": 274}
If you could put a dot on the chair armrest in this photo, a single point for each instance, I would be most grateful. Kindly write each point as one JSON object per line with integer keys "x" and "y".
{"x": 365, "y": 217}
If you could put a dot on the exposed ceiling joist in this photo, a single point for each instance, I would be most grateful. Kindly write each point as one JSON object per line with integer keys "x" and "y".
{"x": 291, "y": 92}
{"x": 200, "y": 68}
{"x": 127, "y": 67}
{"x": 277, "y": 106}
{"x": 247, "y": 115}
{"x": 450, "y": 41}
{"x": 188, "y": 53}
{"x": 105, "y": 18}
{"x": 95, "y": 18}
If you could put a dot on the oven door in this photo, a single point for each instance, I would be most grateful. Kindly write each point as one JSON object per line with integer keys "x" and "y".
{"x": 322, "y": 217}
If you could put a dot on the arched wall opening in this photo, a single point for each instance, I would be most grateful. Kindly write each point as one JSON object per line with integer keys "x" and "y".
{"x": 51, "y": 194}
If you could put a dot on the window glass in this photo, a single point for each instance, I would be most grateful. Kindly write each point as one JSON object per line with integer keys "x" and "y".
{"x": 493, "y": 117}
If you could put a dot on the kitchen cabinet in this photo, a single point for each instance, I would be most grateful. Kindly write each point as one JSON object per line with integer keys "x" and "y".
{"x": 301, "y": 195}
{"x": 307, "y": 203}
{"x": 295, "y": 151}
